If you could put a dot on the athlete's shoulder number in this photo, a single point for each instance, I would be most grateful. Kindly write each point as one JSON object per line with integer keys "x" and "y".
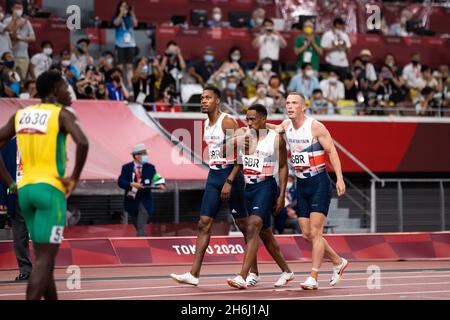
{"x": 33, "y": 121}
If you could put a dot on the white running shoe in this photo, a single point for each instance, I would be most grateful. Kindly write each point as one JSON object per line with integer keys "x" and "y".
{"x": 185, "y": 278}
{"x": 310, "y": 284}
{"x": 237, "y": 282}
{"x": 252, "y": 279}
{"x": 284, "y": 279}
{"x": 338, "y": 272}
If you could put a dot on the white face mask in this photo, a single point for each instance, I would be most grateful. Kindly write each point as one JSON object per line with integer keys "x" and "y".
{"x": 110, "y": 61}
{"x": 2, "y": 15}
{"x": 65, "y": 63}
{"x": 48, "y": 51}
{"x": 289, "y": 185}
{"x": 309, "y": 73}
{"x": 333, "y": 80}
{"x": 19, "y": 13}
{"x": 267, "y": 67}
{"x": 259, "y": 21}
{"x": 217, "y": 16}
{"x": 261, "y": 91}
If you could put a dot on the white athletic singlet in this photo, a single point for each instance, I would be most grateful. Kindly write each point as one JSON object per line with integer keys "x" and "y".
{"x": 306, "y": 154}
{"x": 263, "y": 162}
{"x": 214, "y": 138}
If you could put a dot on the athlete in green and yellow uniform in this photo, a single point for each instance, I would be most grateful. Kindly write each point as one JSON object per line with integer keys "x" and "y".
{"x": 41, "y": 132}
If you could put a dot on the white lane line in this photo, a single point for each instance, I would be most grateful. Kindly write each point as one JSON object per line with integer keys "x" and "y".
{"x": 231, "y": 291}
{"x": 222, "y": 284}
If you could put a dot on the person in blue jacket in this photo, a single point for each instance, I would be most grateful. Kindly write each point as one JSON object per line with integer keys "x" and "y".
{"x": 9, "y": 202}
{"x": 137, "y": 178}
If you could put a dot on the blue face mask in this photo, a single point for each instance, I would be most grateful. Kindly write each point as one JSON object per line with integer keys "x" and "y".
{"x": 208, "y": 57}
{"x": 144, "y": 159}
{"x": 10, "y": 64}
{"x": 232, "y": 86}
{"x": 144, "y": 69}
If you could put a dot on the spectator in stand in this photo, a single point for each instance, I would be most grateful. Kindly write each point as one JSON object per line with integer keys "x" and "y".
{"x": 427, "y": 80}
{"x": 266, "y": 72}
{"x": 216, "y": 20}
{"x": 388, "y": 89}
{"x": 307, "y": 47}
{"x": 257, "y": 20}
{"x": 269, "y": 41}
{"x": 276, "y": 92}
{"x": 124, "y": 22}
{"x": 10, "y": 77}
{"x": 102, "y": 92}
{"x": 172, "y": 66}
{"x": 5, "y": 41}
{"x": 21, "y": 33}
{"x": 411, "y": 72}
{"x": 5, "y": 90}
{"x": 87, "y": 87}
{"x": 169, "y": 101}
{"x": 203, "y": 70}
{"x": 106, "y": 64}
{"x": 80, "y": 57}
{"x": 232, "y": 97}
{"x": 426, "y": 104}
{"x": 69, "y": 71}
{"x": 42, "y": 61}
{"x": 336, "y": 45}
{"x": 356, "y": 83}
{"x": 389, "y": 60}
{"x": 366, "y": 56}
{"x": 146, "y": 74}
{"x": 262, "y": 98}
{"x": 232, "y": 66}
{"x": 304, "y": 82}
{"x": 319, "y": 105}
{"x": 399, "y": 29}
{"x": 30, "y": 90}
{"x": 444, "y": 80}
{"x": 116, "y": 88}
{"x": 333, "y": 89}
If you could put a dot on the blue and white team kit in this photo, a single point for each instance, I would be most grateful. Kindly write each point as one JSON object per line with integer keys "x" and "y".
{"x": 255, "y": 191}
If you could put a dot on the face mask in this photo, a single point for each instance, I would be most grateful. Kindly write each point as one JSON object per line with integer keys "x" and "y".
{"x": 235, "y": 57}
{"x": 259, "y": 21}
{"x": 208, "y": 57}
{"x": 333, "y": 80}
{"x": 232, "y": 86}
{"x": 171, "y": 53}
{"x": 65, "y": 63}
{"x": 217, "y": 16}
{"x": 110, "y": 61}
{"x": 144, "y": 159}
{"x": 415, "y": 62}
{"x": 390, "y": 64}
{"x": 48, "y": 51}
{"x": 2, "y": 15}
{"x": 309, "y": 72}
{"x": 317, "y": 103}
{"x": 289, "y": 185}
{"x": 308, "y": 30}
{"x": 261, "y": 91}
{"x": 267, "y": 67}
{"x": 365, "y": 62}
{"x": 269, "y": 29}
{"x": 144, "y": 69}
{"x": 403, "y": 20}
{"x": 10, "y": 64}
{"x": 19, "y": 13}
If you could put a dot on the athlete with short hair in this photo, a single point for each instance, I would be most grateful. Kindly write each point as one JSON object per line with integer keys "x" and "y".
{"x": 41, "y": 132}
{"x": 309, "y": 142}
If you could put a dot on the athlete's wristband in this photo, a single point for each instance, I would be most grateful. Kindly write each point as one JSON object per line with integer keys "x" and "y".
{"x": 229, "y": 181}
{"x": 11, "y": 187}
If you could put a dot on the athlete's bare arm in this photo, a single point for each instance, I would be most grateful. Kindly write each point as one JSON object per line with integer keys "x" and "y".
{"x": 324, "y": 137}
{"x": 283, "y": 173}
{"x": 69, "y": 125}
{"x": 280, "y": 128}
{"x": 7, "y": 132}
{"x": 229, "y": 127}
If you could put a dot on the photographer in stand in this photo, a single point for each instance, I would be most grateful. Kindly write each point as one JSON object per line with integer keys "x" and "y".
{"x": 169, "y": 101}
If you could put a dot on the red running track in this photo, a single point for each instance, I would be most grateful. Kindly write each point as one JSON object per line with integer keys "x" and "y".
{"x": 399, "y": 280}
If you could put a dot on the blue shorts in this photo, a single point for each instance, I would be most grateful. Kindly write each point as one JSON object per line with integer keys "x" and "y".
{"x": 314, "y": 195}
{"x": 211, "y": 201}
{"x": 261, "y": 198}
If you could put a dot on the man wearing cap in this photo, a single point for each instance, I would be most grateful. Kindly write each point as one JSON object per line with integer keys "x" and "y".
{"x": 137, "y": 178}
{"x": 80, "y": 57}
{"x": 365, "y": 57}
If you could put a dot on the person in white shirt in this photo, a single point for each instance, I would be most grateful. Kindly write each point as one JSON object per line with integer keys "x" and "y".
{"x": 332, "y": 89}
{"x": 262, "y": 98}
{"x": 399, "y": 29}
{"x": 41, "y": 62}
{"x": 5, "y": 41}
{"x": 411, "y": 72}
{"x": 269, "y": 42}
{"x": 265, "y": 73}
{"x": 366, "y": 56}
{"x": 336, "y": 45}
{"x": 427, "y": 80}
